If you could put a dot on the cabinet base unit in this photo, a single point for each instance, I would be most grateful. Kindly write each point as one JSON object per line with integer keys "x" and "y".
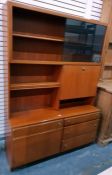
{"x": 40, "y": 133}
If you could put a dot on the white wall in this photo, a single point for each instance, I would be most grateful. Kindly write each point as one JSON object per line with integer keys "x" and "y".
{"x": 85, "y": 8}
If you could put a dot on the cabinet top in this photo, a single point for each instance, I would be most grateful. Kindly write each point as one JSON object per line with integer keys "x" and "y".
{"x": 53, "y": 12}
{"x": 25, "y": 118}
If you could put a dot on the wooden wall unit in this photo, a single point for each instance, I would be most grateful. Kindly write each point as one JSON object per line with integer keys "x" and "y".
{"x": 50, "y": 99}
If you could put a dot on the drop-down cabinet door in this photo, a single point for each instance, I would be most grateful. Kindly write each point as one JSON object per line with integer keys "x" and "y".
{"x": 78, "y": 81}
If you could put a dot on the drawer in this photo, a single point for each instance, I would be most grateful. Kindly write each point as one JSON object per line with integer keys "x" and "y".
{"x": 78, "y": 129}
{"x": 82, "y": 118}
{"x": 78, "y": 141}
{"x": 37, "y": 128}
{"x": 35, "y": 147}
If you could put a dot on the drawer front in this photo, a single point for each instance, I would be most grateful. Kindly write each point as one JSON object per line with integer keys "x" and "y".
{"x": 37, "y": 128}
{"x": 35, "y": 147}
{"x": 82, "y": 118}
{"x": 78, "y": 141}
{"x": 78, "y": 129}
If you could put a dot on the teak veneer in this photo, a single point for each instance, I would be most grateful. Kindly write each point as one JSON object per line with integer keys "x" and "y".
{"x": 51, "y": 92}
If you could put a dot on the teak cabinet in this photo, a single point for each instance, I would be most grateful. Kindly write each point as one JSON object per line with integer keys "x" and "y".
{"x": 52, "y": 83}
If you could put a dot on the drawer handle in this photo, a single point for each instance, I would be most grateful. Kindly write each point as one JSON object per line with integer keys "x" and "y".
{"x": 83, "y": 68}
{"x": 59, "y": 123}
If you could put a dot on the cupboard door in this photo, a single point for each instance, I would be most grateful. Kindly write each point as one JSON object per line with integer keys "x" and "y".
{"x": 44, "y": 145}
{"x": 36, "y": 146}
{"x": 78, "y": 81}
{"x": 19, "y": 152}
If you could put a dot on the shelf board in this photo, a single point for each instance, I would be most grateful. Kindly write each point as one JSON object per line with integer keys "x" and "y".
{"x": 36, "y": 116}
{"x": 38, "y": 36}
{"x": 13, "y": 61}
{"x": 108, "y": 64}
{"x": 40, "y": 85}
{"x": 36, "y": 62}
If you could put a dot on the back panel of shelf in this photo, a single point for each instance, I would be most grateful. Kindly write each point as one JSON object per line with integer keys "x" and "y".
{"x": 29, "y": 99}
{"x": 34, "y": 73}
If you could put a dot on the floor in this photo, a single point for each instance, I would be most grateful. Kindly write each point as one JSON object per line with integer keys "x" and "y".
{"x": 89, "y": 160}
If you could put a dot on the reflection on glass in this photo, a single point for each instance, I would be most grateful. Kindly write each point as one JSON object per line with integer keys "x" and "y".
{"x": 83, "y": 41}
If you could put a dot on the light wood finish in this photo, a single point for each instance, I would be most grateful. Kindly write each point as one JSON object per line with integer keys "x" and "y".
{"x": 34, "y": 85}
{"x": 37, "y": 36}
{"x": 106, "y": 85}
{"x": 108, "y": 56}
{"x": 104, "y": 102}
{"x": 79, "y": 81}
{"x": 106, "y": 51}
{"x": 108, "y": 64}
{"x": 106, "y": 10}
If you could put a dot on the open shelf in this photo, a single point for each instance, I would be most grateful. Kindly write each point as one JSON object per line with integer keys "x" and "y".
{"x": 13, "y": 61}
{"x": 38, "y": 36}
{"x": 36, "y": 62}
{"x": 40, "y": 85}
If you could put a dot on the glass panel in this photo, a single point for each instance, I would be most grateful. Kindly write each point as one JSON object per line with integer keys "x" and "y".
{"x": 83, "y": 41}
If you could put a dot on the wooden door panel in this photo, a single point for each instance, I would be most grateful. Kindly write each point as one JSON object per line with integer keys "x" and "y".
{"x": 19, "y": 153}
{"x": 78, "y": 81}
{"x": 44, "y": 145}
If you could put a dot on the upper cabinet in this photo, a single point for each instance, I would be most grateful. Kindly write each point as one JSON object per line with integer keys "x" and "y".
{"x": 42, "y": 36}
{"x": 83, "y": 41}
